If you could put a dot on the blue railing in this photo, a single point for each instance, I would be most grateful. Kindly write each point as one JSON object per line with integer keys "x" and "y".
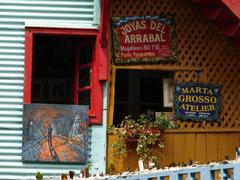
{"x": 227, "y": 170}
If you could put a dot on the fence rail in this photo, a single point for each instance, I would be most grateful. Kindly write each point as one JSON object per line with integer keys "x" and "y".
{"x": 227, "y": 170}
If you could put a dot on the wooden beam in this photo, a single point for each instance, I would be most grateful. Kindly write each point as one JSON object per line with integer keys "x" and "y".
{"x": 211, "y": 130}
{"x": 111, "y": 95}
{"x": 159, "y": 67}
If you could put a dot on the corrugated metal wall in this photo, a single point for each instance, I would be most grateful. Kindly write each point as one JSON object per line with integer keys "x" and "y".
{"x": 14, "y": 15}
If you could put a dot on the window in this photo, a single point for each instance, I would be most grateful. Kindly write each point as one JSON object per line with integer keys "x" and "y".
{"x": 137, "y": 91}
{"x": 61, "y": 67}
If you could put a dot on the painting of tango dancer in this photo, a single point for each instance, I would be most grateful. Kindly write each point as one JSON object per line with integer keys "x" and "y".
{"x": 55, "y": 133}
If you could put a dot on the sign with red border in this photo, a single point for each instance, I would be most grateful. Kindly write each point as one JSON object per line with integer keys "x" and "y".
{"x": 143, "y": 39}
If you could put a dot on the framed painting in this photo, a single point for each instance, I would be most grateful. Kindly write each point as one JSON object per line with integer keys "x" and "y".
{"x": 55, "y": 133}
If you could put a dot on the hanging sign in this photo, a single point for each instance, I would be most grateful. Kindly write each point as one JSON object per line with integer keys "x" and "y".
{"x": 143, "y": 39}
{"x": 197, "y": 101}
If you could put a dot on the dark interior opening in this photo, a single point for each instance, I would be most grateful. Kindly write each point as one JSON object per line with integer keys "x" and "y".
{"x": 137, "y": 91}
{"x": 53, "y": 69}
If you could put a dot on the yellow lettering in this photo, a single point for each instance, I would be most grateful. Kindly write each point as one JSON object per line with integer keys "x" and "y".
{"x": 192, "y": 90}
{"x": 207, "y": 99}
{"x": 153, "y": 25}
{"x": 213, "y": 99}
{"x": 182, "y": 106}
{"x": 133, "y": 39}
{"x": 161, "y": 38}
{"x": 198, "y": 90}
{"x": 181, "y": 98}
{"x": 124, "y": 32}
{"x": 212, "y": 107}
{"x": 188, "y": 99}
{"x": 205, "y": 108}
{"x": 145, "y": 38}
{"x": 143, "y": 23}
{"x": 151, "y": 38}
{"x": 138, "y": 38}
{"x": 194, "y": 99}
{"x": 192, "y": 108}
{"x": 210, "y": 92}
{"x": 161, "y": 28}
{"x": 127, "y": 39}
{"x": 200, "y": 99}
{"x": 132, "y": 26}
{"x": 185, "y": 90}
{"x": 187, "y": 107}
{"x": 157, "y": 38}
{"x": 138, "y": 26}
{"x": 197, "y": 108}
{"x": 128, "y": 28}
{"x": 204, "y": 90}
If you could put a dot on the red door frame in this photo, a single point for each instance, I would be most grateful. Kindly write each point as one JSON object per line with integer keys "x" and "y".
{"x": 95, "y": 113}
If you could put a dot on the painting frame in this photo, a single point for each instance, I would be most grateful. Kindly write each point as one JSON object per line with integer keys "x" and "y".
{"x": 168, "y": 86}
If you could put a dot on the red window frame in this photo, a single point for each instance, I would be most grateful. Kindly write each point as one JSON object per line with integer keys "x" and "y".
{"x": 95, "y": 112}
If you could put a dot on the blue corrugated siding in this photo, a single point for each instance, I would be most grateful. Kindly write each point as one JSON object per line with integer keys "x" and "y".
{"x": 14, "y": 16}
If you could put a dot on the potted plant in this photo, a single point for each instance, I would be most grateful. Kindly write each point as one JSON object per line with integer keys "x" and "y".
{"x": 144, "y": 132}
{"x": 85, "y": 171}
{"x": 39, "y": 175}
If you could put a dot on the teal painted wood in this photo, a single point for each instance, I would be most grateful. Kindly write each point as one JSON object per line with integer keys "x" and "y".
{"x": 15, "y": 15}
{"x": 206, "y": 173}
{"x": 236, "y": 174}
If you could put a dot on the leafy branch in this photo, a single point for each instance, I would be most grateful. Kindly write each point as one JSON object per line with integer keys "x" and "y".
{"x": 146, "y": 131}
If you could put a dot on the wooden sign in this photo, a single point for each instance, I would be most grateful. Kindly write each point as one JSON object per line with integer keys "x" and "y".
{"x": 143, "y": 39}
{"x": 197, "y": 101}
